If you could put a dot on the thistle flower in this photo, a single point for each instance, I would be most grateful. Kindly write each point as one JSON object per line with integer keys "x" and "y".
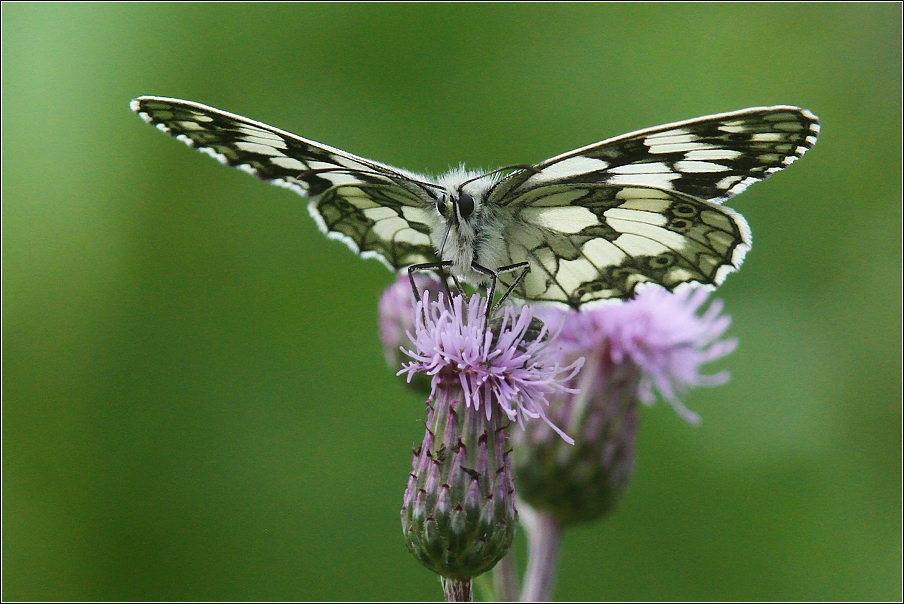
{"x": 459, "y": 514}
{"x": 660, "y": 332}
{"x": 511, "y": 364}
{"x": 396, "y": 321}
{"x": 655, "y": 343}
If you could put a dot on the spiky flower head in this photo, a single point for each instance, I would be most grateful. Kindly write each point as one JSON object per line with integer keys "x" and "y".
{"x": 459, "y": 513}
{"x": 655, "y": 343}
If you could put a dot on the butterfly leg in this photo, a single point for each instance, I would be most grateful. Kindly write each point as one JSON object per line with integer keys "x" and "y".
{"x": 431, "y": 266}
{"x": 507, "y": 269}
{"x": 491, "y": 290}
{"x": 494, "y": 276}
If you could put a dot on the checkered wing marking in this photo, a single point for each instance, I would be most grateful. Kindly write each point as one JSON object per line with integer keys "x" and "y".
{"x": 713, "y": 157}
{"x": 377, "y": 220}
{"x": 592, "y": 242}
{"x": 377, "y": 210}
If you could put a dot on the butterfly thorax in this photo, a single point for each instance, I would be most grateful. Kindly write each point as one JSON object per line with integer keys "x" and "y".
{"x": 473, "y": 225}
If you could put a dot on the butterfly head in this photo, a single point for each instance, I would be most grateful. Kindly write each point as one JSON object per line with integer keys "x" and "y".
{"x": 457, "y": 206}
{"x": 461, "y": 195}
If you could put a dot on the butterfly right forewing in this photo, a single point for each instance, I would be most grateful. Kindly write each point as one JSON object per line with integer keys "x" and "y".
{"x": 713, "y": 157}
{"x": 598, "y": 221}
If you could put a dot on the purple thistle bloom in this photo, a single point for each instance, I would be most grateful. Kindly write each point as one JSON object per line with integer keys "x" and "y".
{"x": 660, "y": 332}
{"x": 507, "y": 366}
{"x": 656, "y": 342}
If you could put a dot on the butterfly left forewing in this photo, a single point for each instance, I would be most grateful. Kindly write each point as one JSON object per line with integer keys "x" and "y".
{"x": 377, "y": 210}
{"x": 268, "y": 153}
{"x": 592, "y": 242}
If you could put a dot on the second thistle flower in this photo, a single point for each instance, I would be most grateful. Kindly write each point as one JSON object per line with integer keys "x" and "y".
{"x": 656, "y": 342}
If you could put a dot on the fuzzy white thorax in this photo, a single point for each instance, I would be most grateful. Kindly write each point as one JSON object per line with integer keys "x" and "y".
{"x": 477, "y": 237}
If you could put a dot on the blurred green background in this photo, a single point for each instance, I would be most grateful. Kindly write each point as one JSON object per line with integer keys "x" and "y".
{"x": 195, "y": 404}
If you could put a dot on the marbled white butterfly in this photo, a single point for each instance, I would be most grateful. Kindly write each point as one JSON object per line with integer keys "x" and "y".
{"x": 590, "y": 224}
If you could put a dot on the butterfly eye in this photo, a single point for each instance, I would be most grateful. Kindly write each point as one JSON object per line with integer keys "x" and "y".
{"x": 465, "y": 205}
{"x": 442, "y": 208}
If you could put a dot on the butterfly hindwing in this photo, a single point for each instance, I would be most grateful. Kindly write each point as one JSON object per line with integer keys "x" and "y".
{"x": 590, "y": 242}
{"x": 713, "y": 157}
{"x": 377, "y": 220}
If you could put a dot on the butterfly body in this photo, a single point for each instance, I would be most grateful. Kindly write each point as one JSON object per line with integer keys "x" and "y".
{"x": 591, "y": 224}
{"x": 464, "y": 226}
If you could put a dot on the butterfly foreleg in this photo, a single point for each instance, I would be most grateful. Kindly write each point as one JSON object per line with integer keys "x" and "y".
{"x": 494, "y": 276}
{"x": 525, "y": 266}
{"x": 491, "y": 290}
{"x": 432, "y": 266}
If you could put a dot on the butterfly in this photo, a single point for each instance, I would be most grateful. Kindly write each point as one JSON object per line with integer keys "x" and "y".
{"x": 590, "y": 224}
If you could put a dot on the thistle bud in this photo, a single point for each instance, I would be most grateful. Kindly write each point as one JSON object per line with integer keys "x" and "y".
{"x": 583, "y": 482}
{"x": 459, "y": 513}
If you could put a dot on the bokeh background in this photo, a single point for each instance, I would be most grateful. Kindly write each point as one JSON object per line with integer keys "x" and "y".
{"x": 195, "y": 404}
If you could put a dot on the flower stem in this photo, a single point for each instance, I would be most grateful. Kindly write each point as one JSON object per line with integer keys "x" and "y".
{"x": 457, "y": 590}
{"x": 505, "y": 578}
{"x": 544, "y": 536}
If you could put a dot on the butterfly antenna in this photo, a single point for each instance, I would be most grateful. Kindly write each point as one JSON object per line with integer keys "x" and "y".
{"x": 498, "y": 170}
{"x": 315, "y": 171}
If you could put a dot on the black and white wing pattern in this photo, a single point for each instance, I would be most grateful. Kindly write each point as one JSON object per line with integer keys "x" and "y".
{"x": 377, "y": 210}
{"x": 592, "y": 224}
{"x": 644, "y": 207}
{"x": 587, "y": 242}
{"x": 713, "y": 157}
